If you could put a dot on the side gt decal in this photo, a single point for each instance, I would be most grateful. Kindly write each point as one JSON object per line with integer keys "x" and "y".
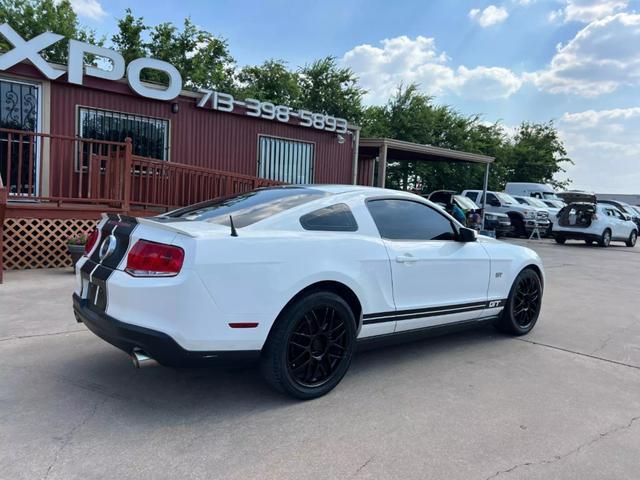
{"x": 397, "y": 315}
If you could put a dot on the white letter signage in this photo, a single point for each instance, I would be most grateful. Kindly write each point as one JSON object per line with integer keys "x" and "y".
{"x": 77, "y": 51}
{"x": 23, "y": 50}
{"x": 169, "y": 93}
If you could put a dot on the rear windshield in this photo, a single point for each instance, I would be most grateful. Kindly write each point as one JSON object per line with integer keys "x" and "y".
{"x": 466, "y": 203}
{"x": 247, "y": 208}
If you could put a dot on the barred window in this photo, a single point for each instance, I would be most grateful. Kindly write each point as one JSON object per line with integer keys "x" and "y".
{"x": 286, "y": 161}
{"x": 150, "y": 136}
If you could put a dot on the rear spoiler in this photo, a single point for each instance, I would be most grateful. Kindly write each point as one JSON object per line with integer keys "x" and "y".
{"x": 576, "y": 196}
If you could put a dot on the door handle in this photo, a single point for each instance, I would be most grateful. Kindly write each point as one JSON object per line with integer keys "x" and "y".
{"x": 406, "y": 258}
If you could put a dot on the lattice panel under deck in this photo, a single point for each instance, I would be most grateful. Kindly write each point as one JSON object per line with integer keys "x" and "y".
{"x": 40, "y": 243}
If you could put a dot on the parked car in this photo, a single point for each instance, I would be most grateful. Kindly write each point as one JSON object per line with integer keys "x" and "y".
{"x": 524, "y": 218}
{"x": 593, "y": 222}
{"x": 294, "y": 277}
{"x": 494, "y": 221}
{"x": 536, "y": 190}
{"x": 537, "y": 203}
{"x": 625, "y": 208}
{"x": 554, "y": 203}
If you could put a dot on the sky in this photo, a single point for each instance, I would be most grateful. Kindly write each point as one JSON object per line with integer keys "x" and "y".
{"x": 573, "y": 62}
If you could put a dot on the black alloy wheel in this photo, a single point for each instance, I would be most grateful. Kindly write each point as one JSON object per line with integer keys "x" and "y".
{"x": 526, "y": 305}
{"x": 316, "y": 346}
{"x": 310, "y": 346}
{"x": 523, "y": 306}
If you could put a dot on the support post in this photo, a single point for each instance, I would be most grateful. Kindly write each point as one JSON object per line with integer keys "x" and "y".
{"x": 356, "y": 147}
{"x": 126, "y": 194}
{"x": 382, "y": 166}
{"x": 484, "y": 193}
{"x": 3, "y": 209}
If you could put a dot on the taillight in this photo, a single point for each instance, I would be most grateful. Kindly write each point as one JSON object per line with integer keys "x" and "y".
{"x": 150, "y": 259}
{"x": 91, "y": 242}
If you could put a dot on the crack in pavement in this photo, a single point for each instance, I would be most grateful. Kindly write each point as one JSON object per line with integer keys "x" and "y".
{"x": 68, "y": 437}
{"x": 361, "y": 467}
{"x": 558, "y": 458}
{"x": 582, "y": 354}
{"x": 20, "y": 337}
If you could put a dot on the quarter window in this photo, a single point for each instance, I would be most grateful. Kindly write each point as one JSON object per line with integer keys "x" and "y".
{"x": 336, "y": 218}
{"x": 150, "y": 136}
{"x": 408, "y": 220}
{"x": 286, "y": 161}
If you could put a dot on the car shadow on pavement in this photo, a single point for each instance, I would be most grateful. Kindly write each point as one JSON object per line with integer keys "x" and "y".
{"x": 161, "y": 395}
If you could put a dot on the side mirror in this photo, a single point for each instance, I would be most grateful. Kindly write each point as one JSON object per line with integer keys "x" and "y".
{"x": 626, "y": 217}
{"x": 467, "y": 235}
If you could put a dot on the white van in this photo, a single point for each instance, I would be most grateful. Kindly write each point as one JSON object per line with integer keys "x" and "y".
{"x": 536, "y": 190}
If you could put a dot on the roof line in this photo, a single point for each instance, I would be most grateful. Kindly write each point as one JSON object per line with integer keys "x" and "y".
{"x": 426, "y": 150}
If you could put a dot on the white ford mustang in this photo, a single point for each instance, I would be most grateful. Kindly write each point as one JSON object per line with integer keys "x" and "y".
{"x": 294, "y": 277}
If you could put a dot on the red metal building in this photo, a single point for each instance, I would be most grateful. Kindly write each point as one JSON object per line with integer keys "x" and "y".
{"x": 65, "y": 156}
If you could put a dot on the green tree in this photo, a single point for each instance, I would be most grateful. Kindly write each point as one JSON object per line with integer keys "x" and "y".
{"x": 332, "y": 90}
{"x": 202, "y": 59}
{"x": 129, "y": 39}
{"x": 537, "y": 154}
{"x": 272, "y": 82}
{"x": 534, "y": 154}
{"x": 32, "y": 17}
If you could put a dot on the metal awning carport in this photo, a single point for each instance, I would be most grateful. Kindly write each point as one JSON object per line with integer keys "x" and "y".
{"x": 399, "y": 150}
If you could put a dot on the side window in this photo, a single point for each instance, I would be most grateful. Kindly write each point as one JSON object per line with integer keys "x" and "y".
{"x": 408, "y": 220}
{"x": 472, "y": 195}
{"x": 492, "y": 199}
{"x": 336, "y": 218}
{"x": 522, "y": 201}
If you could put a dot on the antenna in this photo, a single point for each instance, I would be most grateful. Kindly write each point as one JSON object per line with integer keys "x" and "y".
{"x": 234, "y": 232}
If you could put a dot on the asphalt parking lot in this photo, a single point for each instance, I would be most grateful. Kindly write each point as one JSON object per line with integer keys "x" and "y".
{"x": 562, "y": 402}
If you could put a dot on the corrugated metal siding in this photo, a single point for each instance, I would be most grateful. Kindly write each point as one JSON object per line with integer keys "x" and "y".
{"x": 202, "y": 137}
{"x": 365, "y": 171}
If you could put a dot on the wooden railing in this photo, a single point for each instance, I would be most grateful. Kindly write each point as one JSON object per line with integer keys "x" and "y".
{"x": 162, "y": 184}
{"x": 54, "y": 168}
{"x": 37, "y": 166}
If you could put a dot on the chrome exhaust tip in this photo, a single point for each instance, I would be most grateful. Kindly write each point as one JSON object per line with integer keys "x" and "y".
{"x": 141, "y": 359}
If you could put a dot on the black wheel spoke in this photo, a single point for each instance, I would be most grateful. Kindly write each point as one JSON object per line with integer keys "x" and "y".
{"x": 317, "y": 346}
{"x": 526, "y": 302}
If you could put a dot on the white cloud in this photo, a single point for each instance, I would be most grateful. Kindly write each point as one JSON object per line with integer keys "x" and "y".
{"x": 601, "y": 58}
{"x": 491, "y": 15}
{"x": 603, "y": 141}
{"x": 587, "y": 10}
{"x": 88, "y": 8}
{"x": 406, "y": 60}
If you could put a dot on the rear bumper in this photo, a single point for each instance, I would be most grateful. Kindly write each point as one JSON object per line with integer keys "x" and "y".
{"x": 499, "y": 227}
{"x": 575, "y": 235}
{"x": 158, "y": 345}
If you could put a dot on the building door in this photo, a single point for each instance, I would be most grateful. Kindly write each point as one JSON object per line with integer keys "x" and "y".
{"x": 19, "y": 153}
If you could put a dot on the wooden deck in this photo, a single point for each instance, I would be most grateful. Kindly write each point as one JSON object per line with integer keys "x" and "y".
{"x": 57, "y": 177}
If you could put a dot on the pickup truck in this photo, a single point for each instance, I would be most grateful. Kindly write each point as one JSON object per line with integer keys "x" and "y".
{"x": 524, "y": 218}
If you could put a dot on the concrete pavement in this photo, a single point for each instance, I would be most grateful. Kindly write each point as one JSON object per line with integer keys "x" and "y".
{"x": 562, "y": 402}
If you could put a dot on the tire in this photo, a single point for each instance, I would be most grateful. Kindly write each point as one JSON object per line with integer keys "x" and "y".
{"x": 605, "y": 239}
{"x": 633, "y": 237}
{"x": 519, "y": 229}
{"x": 560, "y": 240}
{"x": 310, "y": 347}
{"x": 521, "y": 312}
